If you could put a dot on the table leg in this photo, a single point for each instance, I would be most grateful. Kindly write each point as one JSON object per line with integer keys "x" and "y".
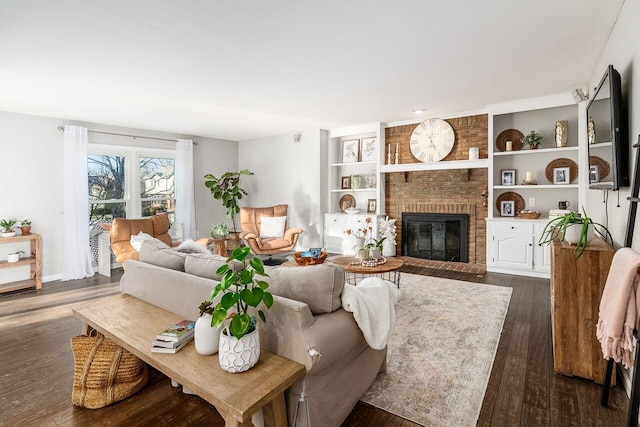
{"x": 229, "y": 421}
{"x": 275, "y": 412}
{"x": 220, "y": 248}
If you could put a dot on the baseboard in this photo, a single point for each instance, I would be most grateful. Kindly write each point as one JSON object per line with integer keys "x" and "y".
{"x": 51, "y": 278}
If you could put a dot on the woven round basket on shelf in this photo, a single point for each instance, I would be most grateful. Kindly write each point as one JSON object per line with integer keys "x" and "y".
{"x": 513, "y": 135}
{"x": 510, "y": 196}
{"x": 562, "y": 163}
{"x": 300, "y": 260}
{"x": 529, "y": 215}
{"x": 603, "y": 166}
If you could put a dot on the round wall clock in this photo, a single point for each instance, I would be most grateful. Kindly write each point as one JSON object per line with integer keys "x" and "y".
{"x": 432, "y": 140}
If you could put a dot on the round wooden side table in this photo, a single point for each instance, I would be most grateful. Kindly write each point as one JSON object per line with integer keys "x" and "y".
{"x": 390, "y": 270}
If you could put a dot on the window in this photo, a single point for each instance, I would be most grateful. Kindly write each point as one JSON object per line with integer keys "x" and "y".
{"x": 128, "y": 182}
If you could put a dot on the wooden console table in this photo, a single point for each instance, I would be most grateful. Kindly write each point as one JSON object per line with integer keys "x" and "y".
{"x": 34, "y": 261}
{"x": 576, "y": 288}
{"x": 133, "y": 324}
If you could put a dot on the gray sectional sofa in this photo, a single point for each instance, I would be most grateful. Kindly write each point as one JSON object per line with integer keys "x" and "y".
{"x": 306, "y": 323}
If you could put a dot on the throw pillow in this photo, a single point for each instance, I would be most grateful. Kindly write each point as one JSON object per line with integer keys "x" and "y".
{"x": 137, "y": 239}
{"x": 191, "y": 247}
{"x": 204, "y": 265}
{"x": 272, "y": 227}
{"x": 158, "y": 253}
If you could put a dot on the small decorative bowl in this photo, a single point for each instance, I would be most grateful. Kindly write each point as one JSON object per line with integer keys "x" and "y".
{"x": 300, "y": 260}
{"x": 529, "y": 215}
{"x": 352, "y": 210}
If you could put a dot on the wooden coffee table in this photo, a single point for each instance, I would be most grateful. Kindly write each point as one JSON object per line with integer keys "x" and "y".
{"x": 133, "y": 324}
{"x": 390, "y": 270}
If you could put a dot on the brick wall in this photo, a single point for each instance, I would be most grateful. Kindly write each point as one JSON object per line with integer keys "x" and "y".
{"x": 446, "y": 191}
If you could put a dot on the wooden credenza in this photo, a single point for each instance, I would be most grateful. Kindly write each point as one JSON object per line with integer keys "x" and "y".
{"x": 576, "y": 288}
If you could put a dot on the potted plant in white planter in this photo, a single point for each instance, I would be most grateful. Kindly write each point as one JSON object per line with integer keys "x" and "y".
{"x": 576, "y": 229}
{"x": 6, "y": 226}
{"x": 375, "y": 247}
{"x": 241, "y": 290}
{"x": 14, "y": 257}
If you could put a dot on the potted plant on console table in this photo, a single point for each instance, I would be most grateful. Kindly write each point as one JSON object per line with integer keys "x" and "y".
{"x": 241, "y": 290}
{"x": 576, "y": 229}
{"x": 227, "y": 188}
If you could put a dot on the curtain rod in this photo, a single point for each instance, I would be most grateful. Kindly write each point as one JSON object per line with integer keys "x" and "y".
{"x": 131, "y": 136}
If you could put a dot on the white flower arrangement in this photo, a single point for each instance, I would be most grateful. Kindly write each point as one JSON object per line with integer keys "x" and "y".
{"x": 387, "y": 229}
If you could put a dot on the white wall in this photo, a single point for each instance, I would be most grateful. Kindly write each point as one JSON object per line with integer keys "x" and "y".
{"x": 31, "y": 176}
{"x": 623, "y": 52}
{"x": 291, "y": 173}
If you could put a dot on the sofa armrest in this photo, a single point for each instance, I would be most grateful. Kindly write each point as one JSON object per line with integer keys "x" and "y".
{"x": 314, "y": 341}
{"x": 245, "y": 235}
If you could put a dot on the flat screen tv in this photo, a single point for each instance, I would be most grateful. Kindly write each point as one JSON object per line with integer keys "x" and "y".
{"x": 608, "y": 144}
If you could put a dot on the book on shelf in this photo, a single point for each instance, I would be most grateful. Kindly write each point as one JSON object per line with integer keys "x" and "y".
{"x": 158, "y": 349}
{"x": 167, "y": 344}
{"x": 178, "y": 332}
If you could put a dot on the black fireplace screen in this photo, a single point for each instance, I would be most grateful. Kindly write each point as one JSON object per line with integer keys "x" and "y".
{"x": 442, "y": 237}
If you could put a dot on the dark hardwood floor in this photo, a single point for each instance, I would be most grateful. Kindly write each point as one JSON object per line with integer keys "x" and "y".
{"x": 37, "y": 368}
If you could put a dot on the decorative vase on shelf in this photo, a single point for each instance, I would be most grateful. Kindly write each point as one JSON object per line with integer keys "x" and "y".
{"x": 562, "y": 133}
{"x": 206, "y": 338}
{"x": 356, "y": 181}
{"x": 591, "y": 131}
{"x": 238, "y": 355}
{"x": 389, "y": 248}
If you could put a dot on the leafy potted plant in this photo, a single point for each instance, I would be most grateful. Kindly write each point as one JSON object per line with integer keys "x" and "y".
{"x": 356, "y": 181}
{"x": 576, "y": 229}
{"x": 227, "y": 189}
{"x": 533, "y": 140}
{"x": 375, "y": 247}
{"x": 7, "y": 227}
{"x": 25, "y": 226}
{"x": 241, "y": 290}
{"x": 359, "y": 235}
{"x": 219, "y": 231}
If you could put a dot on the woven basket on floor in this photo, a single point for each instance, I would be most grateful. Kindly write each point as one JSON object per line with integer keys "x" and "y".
{"x": 104, "y": 372}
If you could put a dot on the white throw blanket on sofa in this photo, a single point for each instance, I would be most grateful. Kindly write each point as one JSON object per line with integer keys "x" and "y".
{"x": 372, "y": 303}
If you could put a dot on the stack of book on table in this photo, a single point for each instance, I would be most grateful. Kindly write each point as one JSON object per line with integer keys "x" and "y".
{"x": 172, "y": 339}
{"x": 556, "y": 213}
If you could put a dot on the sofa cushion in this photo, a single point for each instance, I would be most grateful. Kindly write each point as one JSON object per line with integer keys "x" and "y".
{"x": 204, "y": 265}
{"x": 158, "y": 253}
{"x": 319, "y": 286}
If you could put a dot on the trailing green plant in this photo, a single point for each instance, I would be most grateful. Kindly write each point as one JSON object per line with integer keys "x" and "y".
{"x": 241, "y": 290}
{"x": 8, "y": 224}
{"x": 533, "y": 138}
{"x": 557, "y": 229}
{"x": 227, "y": 188}
{"x": 220, "y": 231}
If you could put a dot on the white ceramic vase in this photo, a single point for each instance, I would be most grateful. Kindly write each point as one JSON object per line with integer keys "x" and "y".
{"x": 572, "y": 234}
{"x": 388, "y": 248}
{"x": 13, "y": 257}
{"x": 238, "y": 355}
{"x": 206, "y": 338}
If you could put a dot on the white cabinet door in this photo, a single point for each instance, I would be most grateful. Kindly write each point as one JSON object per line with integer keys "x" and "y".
{"x": 336, "y": 240}
{"x": 512, "y": 250}
{"x": 542, "y": 255}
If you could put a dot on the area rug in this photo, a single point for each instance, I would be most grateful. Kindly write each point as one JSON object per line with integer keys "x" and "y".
{"x": 441, "y": 351}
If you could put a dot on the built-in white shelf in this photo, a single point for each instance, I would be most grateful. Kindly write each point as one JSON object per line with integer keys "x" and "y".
{"x": 351, "y": 190}
{"x": 538, "y": 151}
{"x": 600, "y": 145}
{"x": 535, "y": 187}
{"x": 452, "y": 164}
{"x": 335, "y": 165}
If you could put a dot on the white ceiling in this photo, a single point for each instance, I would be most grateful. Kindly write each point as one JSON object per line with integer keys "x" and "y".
{"x": 247, "y": 69}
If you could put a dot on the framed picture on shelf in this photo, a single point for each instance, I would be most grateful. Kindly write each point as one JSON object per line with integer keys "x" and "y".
{"x": 561, "y": 175}
{"x": 593, "y": 174}
{"x": 508, "y": 176}
{"x": 368, "y": 150}
{"x": 350, "y": 150}
{"x": 346, "y": 182}
{"x": 372, "y": 205}
{"x": 507, "y": 208}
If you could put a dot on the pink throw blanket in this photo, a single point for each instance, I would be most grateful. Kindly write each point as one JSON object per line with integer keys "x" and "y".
{"x": 619, "y": 307}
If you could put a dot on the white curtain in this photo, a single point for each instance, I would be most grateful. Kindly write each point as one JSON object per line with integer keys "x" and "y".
{"x": 185, "y": 201}
{"x": 77, "y": 253}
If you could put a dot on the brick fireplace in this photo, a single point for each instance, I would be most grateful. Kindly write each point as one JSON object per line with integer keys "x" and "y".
{"x": 454, "y": 191}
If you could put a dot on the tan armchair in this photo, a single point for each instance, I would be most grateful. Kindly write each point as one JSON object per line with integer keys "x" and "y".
{"x": 122, "y": 229}
{"x": 250, "y": 224}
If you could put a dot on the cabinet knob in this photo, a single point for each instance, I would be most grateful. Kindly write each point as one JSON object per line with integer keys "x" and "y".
{"x": 512, "y": 227}
{"x": 530, "y": 244}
